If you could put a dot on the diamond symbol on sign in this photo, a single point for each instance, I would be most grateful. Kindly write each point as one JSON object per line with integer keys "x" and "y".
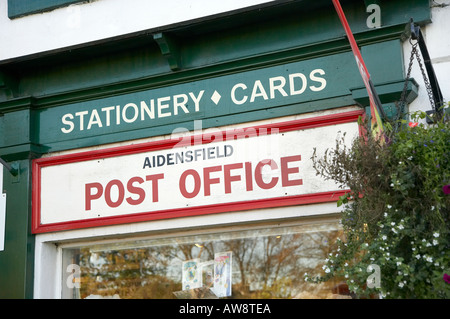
{"x": 216, "y": 97}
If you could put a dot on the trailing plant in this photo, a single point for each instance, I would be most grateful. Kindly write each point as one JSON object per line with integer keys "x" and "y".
{"x": 396, "y": 216}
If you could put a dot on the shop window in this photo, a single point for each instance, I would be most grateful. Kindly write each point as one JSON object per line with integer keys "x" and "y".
{"x": 252, "y": 263}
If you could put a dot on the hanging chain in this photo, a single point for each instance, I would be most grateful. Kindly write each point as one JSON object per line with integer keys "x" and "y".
{"x": 402, "y": 102}
{"x": 425, "y": 80}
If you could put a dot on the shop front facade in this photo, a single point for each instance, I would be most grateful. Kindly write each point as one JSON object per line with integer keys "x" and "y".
{"x": 176, "y": 161}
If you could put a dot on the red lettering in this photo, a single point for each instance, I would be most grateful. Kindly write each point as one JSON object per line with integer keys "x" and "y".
{"x": 190, "y": 182}
{"x": 182, "y": 183}
{"x": 121, "y": 190}
{"x": 208, "y": 180}
{"x": 154, "y": 178}
{"x": 89, "y": 196}
{"x": 228, "y": 178}
{"x": 285, "y": 171}
{"x": 258, "y": 174}
{"x": 248, "y": 176}
{"x": 135, "y": 190}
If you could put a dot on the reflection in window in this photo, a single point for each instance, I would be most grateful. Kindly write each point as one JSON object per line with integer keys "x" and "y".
{"x": 257, "y": 263}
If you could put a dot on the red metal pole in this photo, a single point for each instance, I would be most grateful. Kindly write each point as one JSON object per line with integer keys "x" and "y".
{"x": 375, "y": 105}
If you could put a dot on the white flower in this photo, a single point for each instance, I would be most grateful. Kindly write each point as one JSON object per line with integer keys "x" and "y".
{"x": 399, "y": 263}
{"x": 345, "y": 265}
{"x": 401, "y": 227}
{"x": 389, "y": 206}
{"x": 428, "y": 244}
{"x": 384, "y": 237}
{"x": 385, "y": 214}
{"x": 436, "y": 235}
{"x": 401, "y": 284}
{"x": 435, "y": 242}
{"x": 394, "y": 231}
{"x": 429, "y": 259}
{"x": 327, "y": 270}
{"x": 417, "y": 256}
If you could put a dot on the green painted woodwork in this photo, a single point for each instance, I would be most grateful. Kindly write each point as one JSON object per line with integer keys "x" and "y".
{"x": 339, "y": 71}
{"x": 17, "y": 260}
{"x": 18, "y": 8}
{"x": 225, "y": 44}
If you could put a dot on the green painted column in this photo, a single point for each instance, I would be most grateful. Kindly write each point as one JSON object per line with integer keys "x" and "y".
{"x": 17, "y": 259}
{"x": 18, "y": 133}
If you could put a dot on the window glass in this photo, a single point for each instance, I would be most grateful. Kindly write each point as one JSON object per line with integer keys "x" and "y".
{"x": 253, "y": 263}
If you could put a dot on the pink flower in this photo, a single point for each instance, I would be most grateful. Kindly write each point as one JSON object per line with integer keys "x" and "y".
{"x": 446, "y": 189}
{"x": 413, "y": 124}
{"x": 446, "y": 278}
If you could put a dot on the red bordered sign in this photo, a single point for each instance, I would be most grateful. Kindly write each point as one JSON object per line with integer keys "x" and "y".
{"x": 218, "y": 171}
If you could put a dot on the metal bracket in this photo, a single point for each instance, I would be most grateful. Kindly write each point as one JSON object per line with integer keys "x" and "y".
{"x": 169, "y": 49}
{"x": 13, "y": 168}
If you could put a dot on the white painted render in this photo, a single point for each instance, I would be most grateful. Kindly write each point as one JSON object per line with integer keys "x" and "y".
{"x": 100, "y": 19}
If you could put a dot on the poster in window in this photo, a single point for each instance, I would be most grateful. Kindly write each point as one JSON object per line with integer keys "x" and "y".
{"x": 222, "y": 274}
{"x": 191, "y": 274}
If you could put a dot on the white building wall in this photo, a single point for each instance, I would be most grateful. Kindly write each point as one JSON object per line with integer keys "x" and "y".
{"x": 100, "y": 19}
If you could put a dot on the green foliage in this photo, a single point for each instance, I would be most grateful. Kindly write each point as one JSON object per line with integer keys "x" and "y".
{"x": 396, "y": 216}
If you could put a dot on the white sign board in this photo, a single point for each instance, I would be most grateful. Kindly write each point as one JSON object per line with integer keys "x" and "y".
{"x": 225, "y": 171}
